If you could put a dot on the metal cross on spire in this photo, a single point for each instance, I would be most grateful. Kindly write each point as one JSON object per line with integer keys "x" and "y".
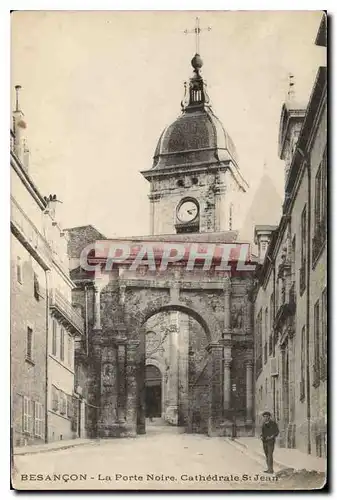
{"x": 197, "y": 30}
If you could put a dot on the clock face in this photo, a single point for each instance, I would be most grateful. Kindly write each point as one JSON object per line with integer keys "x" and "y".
{"x": 187, "y": 211}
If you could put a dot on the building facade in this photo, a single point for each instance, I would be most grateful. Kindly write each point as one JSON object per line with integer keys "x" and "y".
{"x": 44, "y": 323}
{"x": 290, "y": 312}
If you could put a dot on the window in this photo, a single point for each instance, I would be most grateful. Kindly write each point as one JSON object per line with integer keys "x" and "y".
{"x": 19, "y": 269}
{"x": 63, "y": 403}
{"x": 27, "y": 424}
{"x": 54, "y": 338}
{"x": 69, "y": 406}
{"x": 29, "y": 346}
{"x": 230, "y": 225}
{"x": 259, "y": 343}
{"x": 70, "y": 350}
{"x": 271, "y": 319}
{"x": 266, "y": 331}
{"x": 324, "y": 346}
{"x": 303, "y": 367}
{"x": 316, "y": 345}
{"x": 320, "y": 209}
{"x": 36, "y": 287}
{"x": 62, "y": 345}
{"x": 55, "y": 398}
{"x": 318, "y": 197}
{"x": 293, "y": 260}
{"x": 38, "y": 424}
{"x": 303, "y": 249}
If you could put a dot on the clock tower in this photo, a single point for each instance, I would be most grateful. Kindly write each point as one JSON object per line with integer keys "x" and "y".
{"x": 195, "y": 181}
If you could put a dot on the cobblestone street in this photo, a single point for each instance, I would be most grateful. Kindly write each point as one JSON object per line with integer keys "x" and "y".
{"x": 164, "y": 458}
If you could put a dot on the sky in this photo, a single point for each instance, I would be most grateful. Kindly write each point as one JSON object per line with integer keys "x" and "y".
{"x": 99, "y": 87}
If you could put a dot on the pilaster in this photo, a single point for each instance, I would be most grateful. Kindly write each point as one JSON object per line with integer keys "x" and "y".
{"x": 216, "y": 396}
{"x": 131, "y": 386}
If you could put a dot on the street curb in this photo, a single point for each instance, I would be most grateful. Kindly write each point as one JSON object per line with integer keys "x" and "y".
{"x": 256, "y": 454}
{"x": 259, "y": 454}
{"x": 56, "y": 448}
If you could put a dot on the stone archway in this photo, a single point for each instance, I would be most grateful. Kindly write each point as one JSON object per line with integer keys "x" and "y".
{"x": 177, "y": 408}
{"x": 122, "y": 303}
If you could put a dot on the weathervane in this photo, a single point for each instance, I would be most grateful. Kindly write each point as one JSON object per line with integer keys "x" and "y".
{"x": 197, "y": 30}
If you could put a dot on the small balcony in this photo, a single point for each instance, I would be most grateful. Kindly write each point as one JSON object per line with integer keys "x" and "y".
{"x": 318, "y": 240}
{"x": 66, "y": 313}
{"x": 287, "y": 307}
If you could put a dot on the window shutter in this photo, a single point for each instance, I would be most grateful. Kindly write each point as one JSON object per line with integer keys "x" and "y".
{"x": 36, "y": 287}
{"x": 74, "y": 417}
{"x": 54, "y": 338}
{"x": 31, "y": 417}
{"x": 25, "y": 423}
{"x": 38, "y": 420}
{"x": 63, "y": 403}
{"x": 29, "y": 343}
{"x": 69, "y": 406}
{"x": 62, "y": 345}
{"x": 55, "y": 399}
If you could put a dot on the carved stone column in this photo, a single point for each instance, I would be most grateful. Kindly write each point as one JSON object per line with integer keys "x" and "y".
{"x": 172, "y": 409}
{"x": 131, "y": 386}
{"x": 215, "y": 388}
{"x": 227, "y": 361}
{"x": 108, "y": 391}
{"x": 227, "y": 305}
{"x": 141, "y": 384}
{"x": 121, "y": 361}
{"x": 249, "y": 391}
{"x": 183, "y": 343}
{"x": 97, "y": 308}
{"x": 94, "y": 384}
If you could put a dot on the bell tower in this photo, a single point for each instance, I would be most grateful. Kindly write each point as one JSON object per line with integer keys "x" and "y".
{"x": 195, "y": 181}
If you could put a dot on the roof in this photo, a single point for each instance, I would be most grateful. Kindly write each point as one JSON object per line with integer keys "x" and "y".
{"x": 196, "y": 137}
{"x": 321, "y": 38}
{"x": 219, "y": 237}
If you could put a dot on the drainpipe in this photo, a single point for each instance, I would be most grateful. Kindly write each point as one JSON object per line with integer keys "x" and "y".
{"x": 274, "y": 309}
{"x": 86, "y": 320}
{"x": 47, "y": 355}
{"x": 307, "y": 165}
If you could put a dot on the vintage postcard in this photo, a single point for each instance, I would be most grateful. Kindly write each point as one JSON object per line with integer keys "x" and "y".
{"x": 168, "y": 250}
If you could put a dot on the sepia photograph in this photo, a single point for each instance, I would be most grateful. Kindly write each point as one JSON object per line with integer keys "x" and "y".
{"x": 168, "y": 250}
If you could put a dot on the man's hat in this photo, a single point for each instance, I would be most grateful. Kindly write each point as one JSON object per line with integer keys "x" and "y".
{"x": 266, "y": 413}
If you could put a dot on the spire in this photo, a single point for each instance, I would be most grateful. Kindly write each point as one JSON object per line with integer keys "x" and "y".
{"x": 196, "y": 97}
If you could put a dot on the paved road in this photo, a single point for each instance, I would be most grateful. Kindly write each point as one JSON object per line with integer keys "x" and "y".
{"x": 161, "y": 459}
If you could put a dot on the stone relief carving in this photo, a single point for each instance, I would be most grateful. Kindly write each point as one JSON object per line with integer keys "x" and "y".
{"x": 107, "y": 374}
{"x": 237, "y": 316}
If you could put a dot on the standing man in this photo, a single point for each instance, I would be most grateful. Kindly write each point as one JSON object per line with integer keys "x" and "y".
{"x": 268, "y": 435}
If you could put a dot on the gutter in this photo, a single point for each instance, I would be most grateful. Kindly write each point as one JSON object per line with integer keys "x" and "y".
{"x": 307, "y": 165}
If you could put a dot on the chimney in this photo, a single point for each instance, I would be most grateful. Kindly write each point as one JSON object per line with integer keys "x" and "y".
{"x": 262, "y": 237}
{"x": 19, "y": 124}
{"x": 52, "y": 202}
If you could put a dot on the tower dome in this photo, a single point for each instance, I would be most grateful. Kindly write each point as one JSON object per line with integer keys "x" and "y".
{"x": 197, "y": 137}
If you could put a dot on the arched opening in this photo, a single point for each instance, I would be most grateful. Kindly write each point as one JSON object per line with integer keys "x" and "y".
{"x": 174, "y": 352}
{"x": 153, "y": 392}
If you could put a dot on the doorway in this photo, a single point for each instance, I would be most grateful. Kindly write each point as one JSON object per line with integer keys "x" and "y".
{"x": 153, "y": 392}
